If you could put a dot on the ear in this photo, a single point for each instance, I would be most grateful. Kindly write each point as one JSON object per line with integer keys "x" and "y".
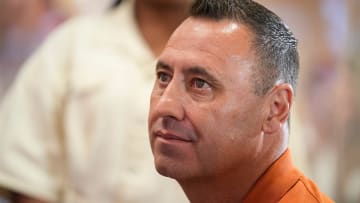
{"x": 279, "y": 101}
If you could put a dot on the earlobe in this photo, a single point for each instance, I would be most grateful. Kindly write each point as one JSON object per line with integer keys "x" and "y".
{"x": 279, "y": 103}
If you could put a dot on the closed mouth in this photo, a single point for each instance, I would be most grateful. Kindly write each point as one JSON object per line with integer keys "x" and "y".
{"x": 170, "y": 136}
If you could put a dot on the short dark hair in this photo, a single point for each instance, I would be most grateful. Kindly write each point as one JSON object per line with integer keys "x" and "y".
{"x": 274, "y": 44}
{"x": 115, "y": 3}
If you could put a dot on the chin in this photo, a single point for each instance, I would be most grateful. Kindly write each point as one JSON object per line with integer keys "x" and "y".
{"x": 163, "y": 168}
{"x": 164, "y": 171}
{"x": 175, "y": 171}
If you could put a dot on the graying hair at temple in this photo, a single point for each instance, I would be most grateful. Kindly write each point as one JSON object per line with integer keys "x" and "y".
{"x": 274, "y": 44}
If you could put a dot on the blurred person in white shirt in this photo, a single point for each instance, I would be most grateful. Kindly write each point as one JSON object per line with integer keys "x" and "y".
{"x": 73, "y": 126}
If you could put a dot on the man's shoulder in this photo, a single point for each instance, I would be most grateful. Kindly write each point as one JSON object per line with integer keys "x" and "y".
{"x": 304, "y": 190}
{"x": 283, "y": 182}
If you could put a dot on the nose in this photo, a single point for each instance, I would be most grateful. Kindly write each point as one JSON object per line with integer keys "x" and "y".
{"x": 168, "y": 102}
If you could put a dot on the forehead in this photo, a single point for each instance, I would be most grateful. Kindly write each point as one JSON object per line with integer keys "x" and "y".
{"x": 222, "y": 48}
{"x": 223, "y": 39}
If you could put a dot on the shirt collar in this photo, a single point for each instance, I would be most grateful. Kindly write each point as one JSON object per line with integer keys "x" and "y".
{"x": 276, "y": 181}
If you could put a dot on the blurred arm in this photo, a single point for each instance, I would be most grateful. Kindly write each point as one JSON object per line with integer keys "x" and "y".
{"x": 19, "y": 198}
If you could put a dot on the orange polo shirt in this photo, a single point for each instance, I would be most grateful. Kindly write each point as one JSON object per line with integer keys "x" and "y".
{"x": 282, "y": 182}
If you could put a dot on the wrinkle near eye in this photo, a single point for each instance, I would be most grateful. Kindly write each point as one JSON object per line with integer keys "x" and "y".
{"x": 200, "y": 83}
{"x": 202, "y": 72}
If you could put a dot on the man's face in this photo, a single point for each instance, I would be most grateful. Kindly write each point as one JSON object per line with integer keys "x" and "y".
{"x": 205, "y": 119}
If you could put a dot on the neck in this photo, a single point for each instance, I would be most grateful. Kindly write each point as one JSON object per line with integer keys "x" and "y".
{"x": 157, "y": 22}
{"x": 233, "y": 185}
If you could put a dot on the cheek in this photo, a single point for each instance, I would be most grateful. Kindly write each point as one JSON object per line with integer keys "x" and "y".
{"x": 243, "y": 117}
{"x": 224, "y": 124}
{"x": 212, "y": 127}
{"x": 211, "y": 120}
{"x": 224, "y": 120}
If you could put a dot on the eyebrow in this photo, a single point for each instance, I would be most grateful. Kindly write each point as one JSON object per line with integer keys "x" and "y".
{"x": 194, "y": 70}
{"x": 163, "y": 65}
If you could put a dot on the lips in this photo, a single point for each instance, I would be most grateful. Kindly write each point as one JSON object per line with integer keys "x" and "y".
{"x": 171, "y": 136}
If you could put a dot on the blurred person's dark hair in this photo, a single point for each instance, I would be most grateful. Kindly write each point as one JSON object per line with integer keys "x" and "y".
{"x": 116, "y": 3}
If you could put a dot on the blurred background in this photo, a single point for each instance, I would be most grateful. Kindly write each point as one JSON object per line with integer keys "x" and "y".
{"x": 326, "y": 117}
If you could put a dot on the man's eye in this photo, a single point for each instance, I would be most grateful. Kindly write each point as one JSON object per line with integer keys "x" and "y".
{"x": 163, "y": 77}
{"x": 200, "y": 84}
